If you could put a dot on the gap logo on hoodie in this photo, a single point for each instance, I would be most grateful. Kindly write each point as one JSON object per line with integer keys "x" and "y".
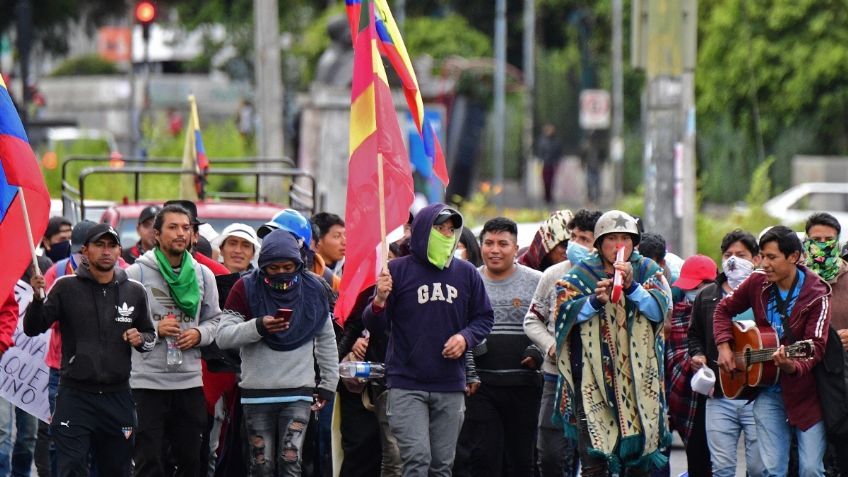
{"x": 436, "y": 293}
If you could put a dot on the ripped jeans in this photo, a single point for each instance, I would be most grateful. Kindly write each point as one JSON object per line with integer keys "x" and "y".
{"x": 275, "y": 435}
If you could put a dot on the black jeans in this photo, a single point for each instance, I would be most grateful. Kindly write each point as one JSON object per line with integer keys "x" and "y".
{"x": 363, "y": 451}
{"x": 697, "y": 450}
{"x": 498, "y": 437}
{"x": 104, "y": 422}
{"x": 170, "y": 430}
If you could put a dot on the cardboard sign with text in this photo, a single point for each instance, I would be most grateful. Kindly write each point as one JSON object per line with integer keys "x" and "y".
{"x": 23, "y": 373}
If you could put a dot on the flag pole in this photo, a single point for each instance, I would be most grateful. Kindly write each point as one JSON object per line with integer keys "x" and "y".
{"x": 36, "y": 270}
{"x": 384, "y": 245}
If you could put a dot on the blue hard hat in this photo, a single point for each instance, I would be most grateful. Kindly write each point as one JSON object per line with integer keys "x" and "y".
{"x": 291, "y": 220}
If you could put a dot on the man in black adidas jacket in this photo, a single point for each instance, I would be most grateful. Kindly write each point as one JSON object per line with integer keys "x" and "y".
{"x": 102, "y": 313}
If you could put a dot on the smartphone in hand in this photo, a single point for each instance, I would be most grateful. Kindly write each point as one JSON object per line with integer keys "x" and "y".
{"x": 284, "y": 313}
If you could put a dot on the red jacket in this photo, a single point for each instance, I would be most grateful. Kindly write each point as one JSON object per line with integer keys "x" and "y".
{"x": 8, "y": 321}
{"x": 217, "y": 268}
{"x": 810, "y": 319}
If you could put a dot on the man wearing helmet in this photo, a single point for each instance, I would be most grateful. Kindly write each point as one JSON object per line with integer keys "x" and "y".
{"x": 296, "y": 223}
{"x": 609, "y": 355}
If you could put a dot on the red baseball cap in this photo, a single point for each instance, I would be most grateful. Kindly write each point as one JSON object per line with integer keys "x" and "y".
{"x": 695, "y": 269}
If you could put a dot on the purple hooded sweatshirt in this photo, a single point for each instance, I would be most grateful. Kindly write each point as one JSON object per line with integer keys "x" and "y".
{"x": 425, "y": 308}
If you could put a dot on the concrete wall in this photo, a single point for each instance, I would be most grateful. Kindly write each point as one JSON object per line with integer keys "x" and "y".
{"x": 819, "y": 169}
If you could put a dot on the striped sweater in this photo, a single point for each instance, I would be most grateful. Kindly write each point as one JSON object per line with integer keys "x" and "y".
{"x": 499, "y": 358}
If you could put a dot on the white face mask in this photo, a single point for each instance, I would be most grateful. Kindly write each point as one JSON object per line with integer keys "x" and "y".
{"x": 737, "y": 270}
{"x": 459, "y": 254}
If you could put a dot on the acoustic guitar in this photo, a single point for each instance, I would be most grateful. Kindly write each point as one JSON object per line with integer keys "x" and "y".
{"x": 753, "y": 347}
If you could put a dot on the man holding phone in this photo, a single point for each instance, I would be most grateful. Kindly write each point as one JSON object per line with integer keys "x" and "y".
{"x": 279, "y": 319}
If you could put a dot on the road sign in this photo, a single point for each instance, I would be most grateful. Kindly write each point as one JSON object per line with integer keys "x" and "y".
{"x": 594, "y": 109}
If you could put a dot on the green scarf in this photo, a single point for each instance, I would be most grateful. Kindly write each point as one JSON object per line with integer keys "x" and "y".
{"x": 823, "y": 258}
{"x": 440, "y": 248}
{"x": 184, "y": 287}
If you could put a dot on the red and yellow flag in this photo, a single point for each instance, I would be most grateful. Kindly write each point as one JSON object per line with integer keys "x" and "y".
{"x": 374, "y": 133}
{"x": 392, "y": 46}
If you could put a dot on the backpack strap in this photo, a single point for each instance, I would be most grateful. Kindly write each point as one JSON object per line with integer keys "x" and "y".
{"x": 62, "y": 267}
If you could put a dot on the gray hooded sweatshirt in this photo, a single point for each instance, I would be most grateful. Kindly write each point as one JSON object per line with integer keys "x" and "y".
{"x": 150, "y": 370}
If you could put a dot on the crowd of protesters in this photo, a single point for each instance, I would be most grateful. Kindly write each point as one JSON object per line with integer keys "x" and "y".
{"x": 192, "y": 356}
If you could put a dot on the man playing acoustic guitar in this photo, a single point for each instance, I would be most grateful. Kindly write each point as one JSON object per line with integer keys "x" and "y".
{"x": 795, "y": 302}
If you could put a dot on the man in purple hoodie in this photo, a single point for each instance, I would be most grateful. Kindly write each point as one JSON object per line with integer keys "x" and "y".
{"x": 432, "y": 308}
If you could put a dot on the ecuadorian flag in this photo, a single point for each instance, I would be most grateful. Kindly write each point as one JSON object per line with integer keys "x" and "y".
{"x": 20, "y": 182}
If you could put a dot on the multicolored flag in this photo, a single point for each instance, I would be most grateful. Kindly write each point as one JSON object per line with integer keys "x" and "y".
{"x": 375, "y": 135}
{"x": 354, "y": 11}
{"x": 194, "y": 157}
{"x": 20, "y": 182}
{"x": 392, "y": 46}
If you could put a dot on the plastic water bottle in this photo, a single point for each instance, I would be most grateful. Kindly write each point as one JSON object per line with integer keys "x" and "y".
{"x": 362, "y": 370}
{"x": 175, "y": 354}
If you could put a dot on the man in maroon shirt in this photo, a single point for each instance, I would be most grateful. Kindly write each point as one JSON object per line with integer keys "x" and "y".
{"x": 794, "y": 301}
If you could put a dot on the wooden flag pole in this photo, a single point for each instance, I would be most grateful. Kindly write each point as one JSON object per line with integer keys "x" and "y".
{"x": 384, "y": 259}
{"x": 36, "y": 271}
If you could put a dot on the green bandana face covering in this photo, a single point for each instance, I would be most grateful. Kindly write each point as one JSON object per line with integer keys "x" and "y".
{"x": 184, "y": 288}
{"x": 439, "y": 248}
{"x": 823, "y": 258}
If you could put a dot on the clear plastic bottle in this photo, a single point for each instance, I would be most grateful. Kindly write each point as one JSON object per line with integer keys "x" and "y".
{"x": 362, "y": 370}
{"x": 175, "y": 354}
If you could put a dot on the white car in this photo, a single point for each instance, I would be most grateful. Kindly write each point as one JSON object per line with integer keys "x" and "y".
{"x": 793, "y": 206}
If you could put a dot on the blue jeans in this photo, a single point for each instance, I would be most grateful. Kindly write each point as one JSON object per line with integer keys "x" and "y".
{"x": 725, "y": 420}
{"x": 21, "y": 452}
{"x": 275, "y": 434}
{"x": 773, "y": 434}
{"x": 426, "y": 426}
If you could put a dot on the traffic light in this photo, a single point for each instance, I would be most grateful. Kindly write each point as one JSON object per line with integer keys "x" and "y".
{"x": 145, "y": 13}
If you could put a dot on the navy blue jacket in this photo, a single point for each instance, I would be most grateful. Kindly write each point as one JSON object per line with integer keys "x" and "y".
{"x": 425, "y": 308}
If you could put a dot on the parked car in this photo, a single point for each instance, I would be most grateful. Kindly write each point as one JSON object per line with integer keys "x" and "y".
{"x": 794, "y": 205}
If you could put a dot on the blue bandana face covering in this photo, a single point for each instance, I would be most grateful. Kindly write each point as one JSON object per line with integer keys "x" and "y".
{"x": 576, "y": 252}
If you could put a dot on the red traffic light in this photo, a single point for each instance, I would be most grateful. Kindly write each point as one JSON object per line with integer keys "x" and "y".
{"x": 145, "y": 12}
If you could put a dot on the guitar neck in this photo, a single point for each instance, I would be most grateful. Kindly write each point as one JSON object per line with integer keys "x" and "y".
{"x": 759, "y": 355}
{"x": 766, "y": 354}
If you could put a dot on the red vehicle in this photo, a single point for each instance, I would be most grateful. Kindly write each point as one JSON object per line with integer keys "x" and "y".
{"x": 217, "y": 214}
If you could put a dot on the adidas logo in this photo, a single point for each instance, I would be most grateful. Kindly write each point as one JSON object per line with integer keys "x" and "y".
{"x": 124, "y": 313}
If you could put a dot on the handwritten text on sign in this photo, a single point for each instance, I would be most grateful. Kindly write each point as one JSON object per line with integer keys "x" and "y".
{"x": 23, "y": 373}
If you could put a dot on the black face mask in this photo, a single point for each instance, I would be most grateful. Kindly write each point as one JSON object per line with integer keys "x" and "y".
{"x": 59, "y": 251}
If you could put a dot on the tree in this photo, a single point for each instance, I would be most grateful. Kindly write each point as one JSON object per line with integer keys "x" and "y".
{"x": 778, "y": 73}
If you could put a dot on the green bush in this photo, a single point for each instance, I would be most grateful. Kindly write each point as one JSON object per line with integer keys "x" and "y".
{"x": 86, "y": 65}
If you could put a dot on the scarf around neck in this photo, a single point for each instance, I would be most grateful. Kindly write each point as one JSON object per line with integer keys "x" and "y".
{"x": 300, "y": 292}
{"x": 183, "y": 285}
